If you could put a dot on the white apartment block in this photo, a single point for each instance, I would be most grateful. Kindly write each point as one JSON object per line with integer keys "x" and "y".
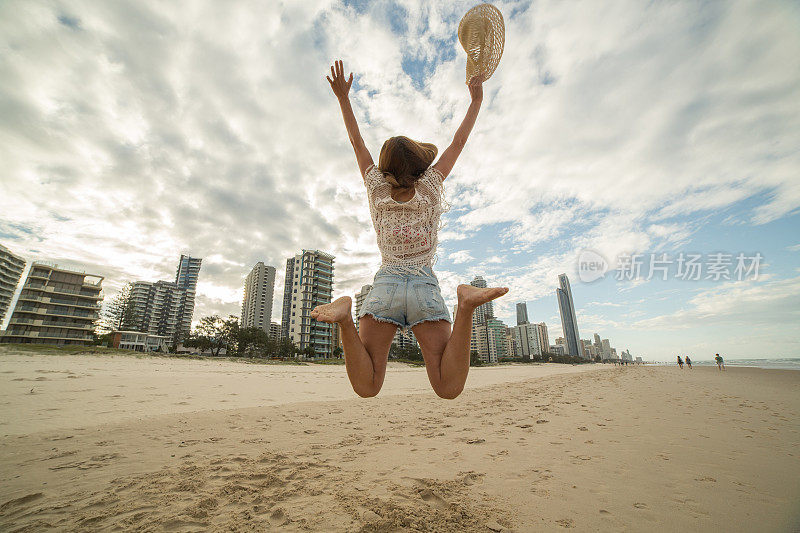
{"x": 309, "y": 283}
{"x": 186, "y": 279}
{"x": 275, "y": 331}
{"x": 544, "y": 339}
{"x": 259, "y": 289}
{"x": 156, "y": 309}
{"x": 55, "y": 306}
{"x": 527, "y": 340}
{"x": 11, "y": 267}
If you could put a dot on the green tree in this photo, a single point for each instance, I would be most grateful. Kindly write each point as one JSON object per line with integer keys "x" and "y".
{"x": 253, "y": 341}
{"x": 474, "y": 359}
{"x": 308, "y": 351}
{"x": 215, "y": 333}
{"x": 337, "y": 352}
{"x": 118, "y": 312}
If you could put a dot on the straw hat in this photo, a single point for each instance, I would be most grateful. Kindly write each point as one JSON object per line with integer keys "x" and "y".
{"x": 482, "y": 34}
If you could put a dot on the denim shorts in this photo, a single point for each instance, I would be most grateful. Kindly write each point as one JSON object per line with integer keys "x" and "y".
{"x": 405, "y": 299}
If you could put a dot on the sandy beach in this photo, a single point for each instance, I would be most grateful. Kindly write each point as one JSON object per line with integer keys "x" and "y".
{"x": 153, "y": 444}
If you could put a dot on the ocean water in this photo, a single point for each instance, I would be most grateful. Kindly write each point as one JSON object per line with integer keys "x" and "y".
{"x": 788, "y": 363}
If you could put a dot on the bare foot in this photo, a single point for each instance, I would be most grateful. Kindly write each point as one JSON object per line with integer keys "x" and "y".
{"x": 471, "y": 297}
{"x": 336, "y": 311}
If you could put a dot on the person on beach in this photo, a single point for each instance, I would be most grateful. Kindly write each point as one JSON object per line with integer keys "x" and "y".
{"x": 720, "y": 362}
{"x": 406, "y": 199}
{"x": 688, "y": 362}
{"x": 680, "y": 362}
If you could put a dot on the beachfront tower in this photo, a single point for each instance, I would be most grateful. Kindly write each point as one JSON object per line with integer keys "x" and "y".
{"x": 569, "y": 323}
{"x": 544, "y": 338}
{"x": 186, "y": 279}
{"x": 55, "y": 306}
{"x": 11, "y": 267}
{"x": 522, "y": 313}
{"x": 155, "y": 308}
{"x": 528, "y": 341}
{"x": 309, "y": 283}
{"x": 259, "y": 289}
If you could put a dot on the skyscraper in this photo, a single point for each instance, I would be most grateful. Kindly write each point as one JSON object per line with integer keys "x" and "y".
{"x": 275, "y": 331}
{"x": 259, "y": 288}
{"x": 522, "y": 313}
{"x": 544, "y": 338}
{"x": 309, "y": 283}
{"x": 528, "y": 341}
{"x": 56, "y": 306}
{"x": 492, "y": 340}
{"x": 156, "y": 308}
{"x": 186, "y": 279}
{"x": 569, "y": 323}
{"x": 607, "y": 354}
{"x": 11, "y": 267}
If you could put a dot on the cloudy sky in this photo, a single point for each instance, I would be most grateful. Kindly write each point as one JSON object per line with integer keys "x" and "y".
{"x": 131, "y": 132}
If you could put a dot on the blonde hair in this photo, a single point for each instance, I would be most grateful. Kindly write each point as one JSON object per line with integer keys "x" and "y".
{"x": 403, "y": 160}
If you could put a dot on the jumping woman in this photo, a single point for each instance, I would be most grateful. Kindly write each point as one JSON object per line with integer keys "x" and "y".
{"x": 405, "y": 193}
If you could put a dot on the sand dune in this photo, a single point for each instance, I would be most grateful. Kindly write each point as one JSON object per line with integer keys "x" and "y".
{"x": 613, "y": 449}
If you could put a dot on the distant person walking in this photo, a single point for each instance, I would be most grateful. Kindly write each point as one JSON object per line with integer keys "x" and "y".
{"x": 680, "y": 362}
{"x": 688, "y": 362}
{"x": 720, "y": 362}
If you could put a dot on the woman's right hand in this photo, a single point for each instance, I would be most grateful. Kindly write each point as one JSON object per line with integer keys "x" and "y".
{"x": 476, "y": 88}
{"x": 339, "y": 85}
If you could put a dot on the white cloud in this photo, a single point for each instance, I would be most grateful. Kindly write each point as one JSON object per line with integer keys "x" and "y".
{"x": 132, "y": 132}
{"x": 462, "y": 256}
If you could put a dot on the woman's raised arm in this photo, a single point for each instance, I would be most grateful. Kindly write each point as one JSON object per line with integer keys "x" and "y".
{"x": 450, "y": 155}
{"x": 341, "y": 89}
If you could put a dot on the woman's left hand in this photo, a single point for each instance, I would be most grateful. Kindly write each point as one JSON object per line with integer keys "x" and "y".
{"x": 339, "y": 85}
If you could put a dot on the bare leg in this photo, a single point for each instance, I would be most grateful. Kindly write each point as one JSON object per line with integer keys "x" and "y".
{"x": 447, "y": 354}
{"x": 365, "y": 355}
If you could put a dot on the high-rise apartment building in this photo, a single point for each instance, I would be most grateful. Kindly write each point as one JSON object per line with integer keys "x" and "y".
{"x": 522, "y": 313}
{"x": 156, "y": 309}
{"x": 527, "y": 340}
{"x": 55, "y": 306}
{"x": 544, "y": 338}
{"x": 275, "y": 331}
{"x": 259, "y": 288}
{"x": 135, "y": 319}
{"x": 309, "y": 283}
{"x": 587, "y": 348}
{"x": 511, "y": 346}
{"x": 404, "y": 338}
{"x": 606, "y": 344}
{"x": 11, "y": 267}
{"x": 569, "y": 323}
{"x": 186, "y": 279}
{"x": 491, "y": 340}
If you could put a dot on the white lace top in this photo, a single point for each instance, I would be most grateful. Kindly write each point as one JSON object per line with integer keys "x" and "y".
{"x": 407, "y": 231}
